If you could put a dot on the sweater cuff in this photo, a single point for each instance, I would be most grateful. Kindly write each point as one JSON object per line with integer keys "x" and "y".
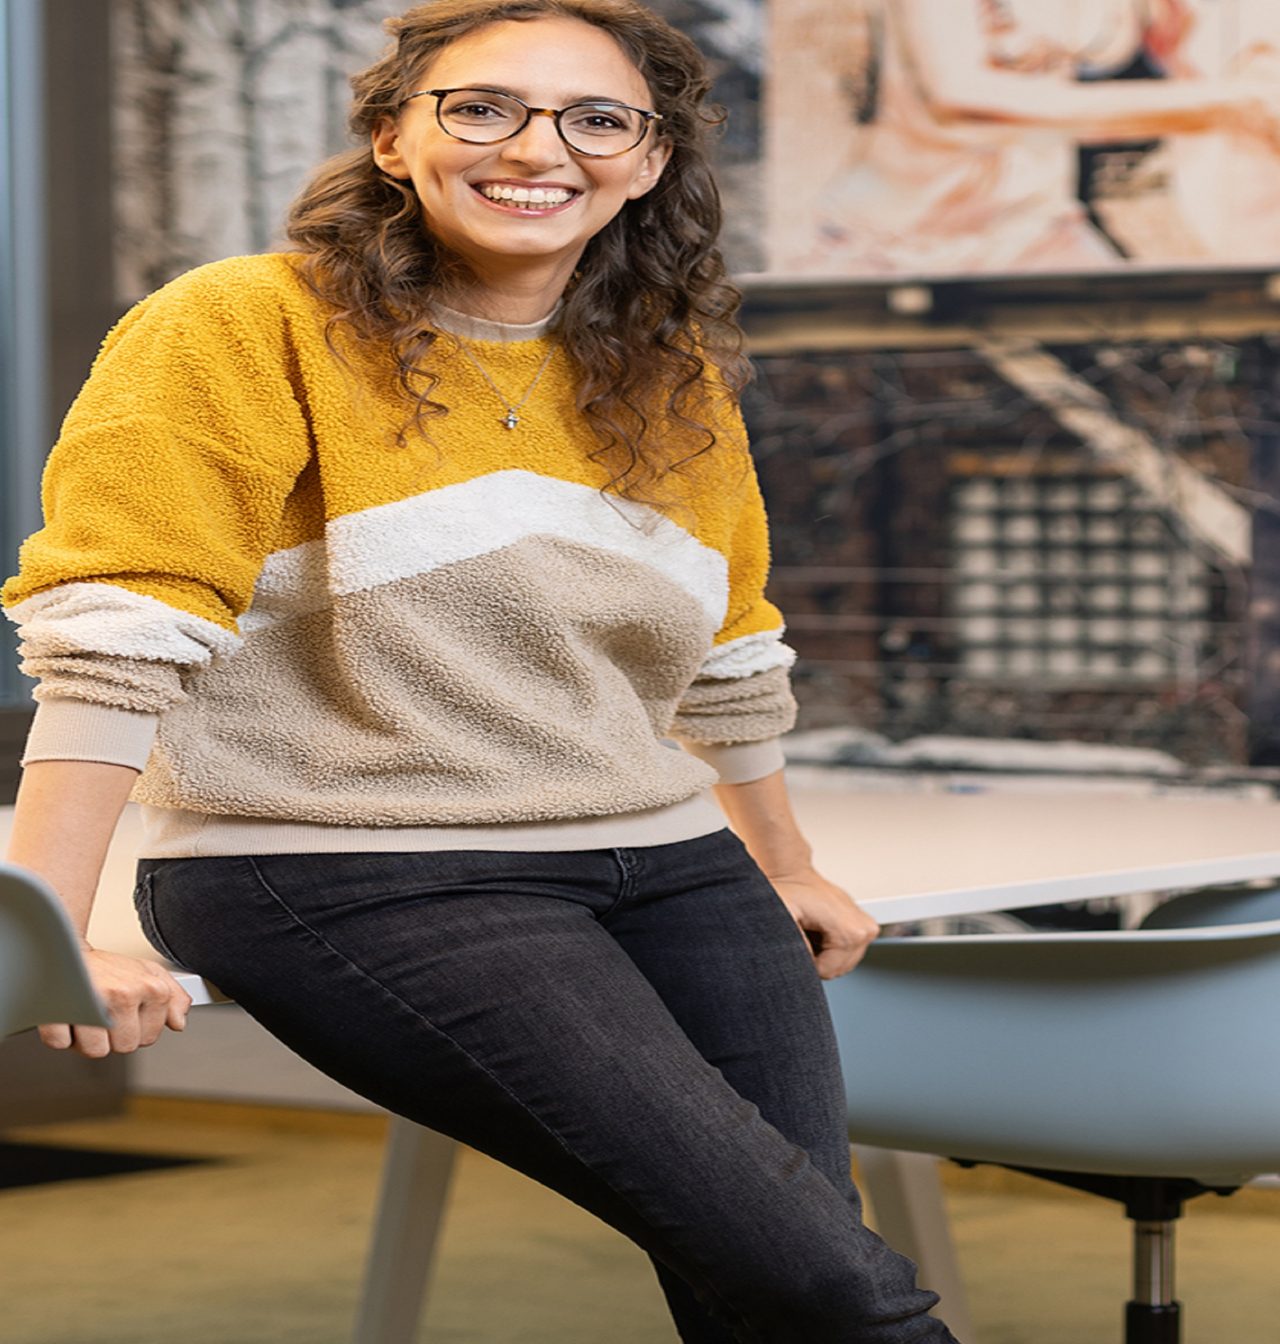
{"x": 80, "y": 730}
{"x": 739, "y": 762}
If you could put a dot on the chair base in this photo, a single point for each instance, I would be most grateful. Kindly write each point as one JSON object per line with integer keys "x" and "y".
{"x": 1152, "y": 1203}
{"x": 1145, "y": 1323}
{"x": 1153, "y": 1199}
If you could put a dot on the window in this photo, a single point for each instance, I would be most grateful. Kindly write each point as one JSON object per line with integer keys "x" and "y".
{"x": 1074, "y": 577}
{"x": 23, "y": 403}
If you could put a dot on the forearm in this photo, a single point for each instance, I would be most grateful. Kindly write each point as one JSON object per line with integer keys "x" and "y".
{"x": 947, "y": 48}
{"x": 838, "y": 932}
{"x": 761, "y": 816}
{"x": 1103, "y": 110}
{"x": 64, "y": 818}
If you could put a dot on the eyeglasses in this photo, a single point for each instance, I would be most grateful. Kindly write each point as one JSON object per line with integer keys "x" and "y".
{"x": 598, "y": 130}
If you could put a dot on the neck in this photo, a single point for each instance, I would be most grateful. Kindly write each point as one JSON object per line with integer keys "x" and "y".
{"x": 517, "y": 295}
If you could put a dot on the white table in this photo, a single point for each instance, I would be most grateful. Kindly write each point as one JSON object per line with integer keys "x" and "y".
{"x": 920, "y": 854}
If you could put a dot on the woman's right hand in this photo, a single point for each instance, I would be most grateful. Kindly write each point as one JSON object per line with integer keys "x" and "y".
{"x": 141, "y": 997}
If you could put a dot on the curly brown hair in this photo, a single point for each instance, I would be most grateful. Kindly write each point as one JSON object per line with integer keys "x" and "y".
{"x": 650, "y": 311}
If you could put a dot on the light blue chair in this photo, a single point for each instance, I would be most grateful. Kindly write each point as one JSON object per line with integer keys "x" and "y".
{"x": 42, "y": 976}
{"x": 1140, "y": 1065}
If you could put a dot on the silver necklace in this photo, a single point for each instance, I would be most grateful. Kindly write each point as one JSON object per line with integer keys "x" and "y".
{"x": 511, "y": 419}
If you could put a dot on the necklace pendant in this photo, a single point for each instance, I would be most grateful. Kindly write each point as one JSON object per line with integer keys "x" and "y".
{"x": 511, "y": 420}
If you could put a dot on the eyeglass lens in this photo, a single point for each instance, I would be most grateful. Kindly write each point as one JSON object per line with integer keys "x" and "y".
{"x": 482, "y": 118}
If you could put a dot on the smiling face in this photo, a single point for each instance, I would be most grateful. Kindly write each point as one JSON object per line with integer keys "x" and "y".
{"x": 473, "y": 196}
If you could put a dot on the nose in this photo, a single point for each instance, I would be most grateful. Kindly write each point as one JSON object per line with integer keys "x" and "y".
{"x": 538, "y": 144}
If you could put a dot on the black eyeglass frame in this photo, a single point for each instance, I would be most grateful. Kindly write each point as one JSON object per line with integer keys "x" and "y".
{"x": 555, "y": 113}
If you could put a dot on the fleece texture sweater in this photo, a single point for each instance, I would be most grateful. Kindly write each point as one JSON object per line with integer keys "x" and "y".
{"x": 314, "y": 637}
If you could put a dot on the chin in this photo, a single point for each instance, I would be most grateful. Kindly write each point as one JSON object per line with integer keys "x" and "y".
{"x": 533, "y": 248}
{"x": 503, "y": 243}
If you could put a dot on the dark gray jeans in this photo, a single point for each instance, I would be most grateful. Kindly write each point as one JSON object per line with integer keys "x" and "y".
{"x": 641, "y": 1030}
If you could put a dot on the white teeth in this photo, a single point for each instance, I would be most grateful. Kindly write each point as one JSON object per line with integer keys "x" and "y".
{"x": 545, "y": 197}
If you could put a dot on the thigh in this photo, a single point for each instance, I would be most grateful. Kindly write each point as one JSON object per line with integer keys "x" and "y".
{"x": 707, "y": 930}
{"x": 432, "y": 983}
{"x": 483, "y": 996}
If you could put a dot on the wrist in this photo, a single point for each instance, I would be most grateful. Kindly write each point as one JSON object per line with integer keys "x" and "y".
{"x": 788, "y": 867}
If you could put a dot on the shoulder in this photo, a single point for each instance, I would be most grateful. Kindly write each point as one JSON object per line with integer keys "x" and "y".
{"x": 246, "y": 288}
{"x": 262, "y": 272}
{"x": 239, "y": 302}
{"x": 222, "y": 344}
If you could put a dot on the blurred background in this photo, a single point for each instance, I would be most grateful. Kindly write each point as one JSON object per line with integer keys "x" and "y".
{"x": 1015, "y": 411}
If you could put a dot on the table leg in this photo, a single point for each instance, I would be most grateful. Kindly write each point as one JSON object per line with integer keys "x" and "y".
{"x": 406, "y": 1226}
{"x": 910, "y": 1214}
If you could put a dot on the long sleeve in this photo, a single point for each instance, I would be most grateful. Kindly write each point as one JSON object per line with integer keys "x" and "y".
{"x": 162, "y": 497}
{"x": 742, "y": 693}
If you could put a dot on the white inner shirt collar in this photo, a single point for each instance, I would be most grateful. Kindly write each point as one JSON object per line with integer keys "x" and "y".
{"x": 482, "y": 329}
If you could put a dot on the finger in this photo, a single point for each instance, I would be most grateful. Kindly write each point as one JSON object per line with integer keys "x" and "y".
{"x": 175, "y": 1002}
{"x": 866, "y": 923}
{"x": 832, "y": 967}
{"x": 152, "y": 1018}
{"x": 124, "y": 1008}
{"x": 56, "y": 1036}
{"x": 176, "y": 1010}
{"x": 834, "y": 962}
{"x": 840, "y": 956}
{"x": 165, "y": 1004}
{"x": 92, "y": 1042}
{"x": 829, "y": 952}
{"x": 848, "y": 954}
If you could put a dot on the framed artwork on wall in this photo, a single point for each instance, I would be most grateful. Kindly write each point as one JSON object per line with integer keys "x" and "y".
{"x": 942, "y": 138}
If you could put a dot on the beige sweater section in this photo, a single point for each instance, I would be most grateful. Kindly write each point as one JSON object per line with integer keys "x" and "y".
{"x": 315, "y": 639}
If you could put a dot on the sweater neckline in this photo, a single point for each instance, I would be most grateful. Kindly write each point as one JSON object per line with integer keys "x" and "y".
{"x": 482, "y": 329}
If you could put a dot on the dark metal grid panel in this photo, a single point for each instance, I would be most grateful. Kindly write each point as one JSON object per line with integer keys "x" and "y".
{"x": 1074, "y": 577}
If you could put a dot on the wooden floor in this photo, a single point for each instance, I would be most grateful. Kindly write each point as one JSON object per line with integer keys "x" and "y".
{"x": 263, "y": 1241}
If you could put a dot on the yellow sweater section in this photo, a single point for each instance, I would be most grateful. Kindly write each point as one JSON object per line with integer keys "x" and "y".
{"x": 336, "y": 628}
{"x": 220, "y": 398}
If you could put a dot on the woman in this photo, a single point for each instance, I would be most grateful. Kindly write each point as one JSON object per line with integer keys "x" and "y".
{"x": 968, "y": 161}
{"x": 407, "y": 549}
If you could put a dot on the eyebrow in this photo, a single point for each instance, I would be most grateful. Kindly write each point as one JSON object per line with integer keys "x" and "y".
{"x": 569, "y": 102}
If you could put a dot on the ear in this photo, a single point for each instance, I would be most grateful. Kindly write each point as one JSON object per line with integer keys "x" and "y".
{"x": 650, "y": 169}
{"x": 385, "y": 141}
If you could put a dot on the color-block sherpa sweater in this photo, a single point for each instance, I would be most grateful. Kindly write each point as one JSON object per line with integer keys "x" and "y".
{"x": 338, "y": 642}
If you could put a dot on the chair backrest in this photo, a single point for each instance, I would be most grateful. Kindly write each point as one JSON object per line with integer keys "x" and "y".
{"x": 42, "y": 975}
{"x": 1140, "y": 1052}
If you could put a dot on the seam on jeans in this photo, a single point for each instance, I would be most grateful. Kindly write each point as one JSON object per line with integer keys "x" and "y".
{"x": 466, "y": 1054}
{"x": 628, "y": 862}
{"x": 144, "y": 904}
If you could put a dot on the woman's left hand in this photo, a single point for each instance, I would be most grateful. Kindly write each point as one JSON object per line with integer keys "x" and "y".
{"x": 838, "y": 929}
